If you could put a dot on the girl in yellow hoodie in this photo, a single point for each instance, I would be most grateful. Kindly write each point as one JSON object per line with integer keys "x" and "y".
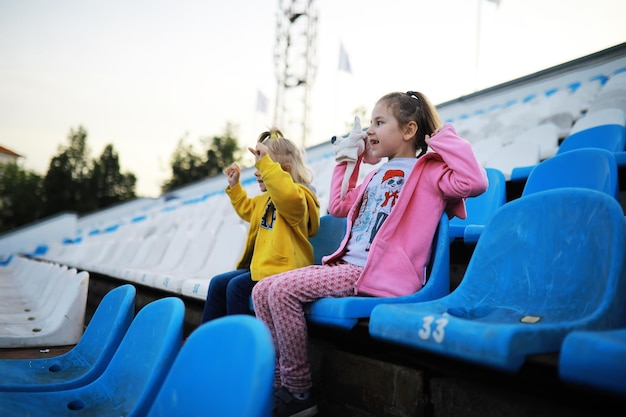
{"x": 282, "y": 218}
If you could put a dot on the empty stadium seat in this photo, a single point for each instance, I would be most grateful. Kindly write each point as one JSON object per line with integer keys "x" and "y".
{"x": 63, "y": 324}
{"x": 612, "y": 116}
{"x": 223, "y": 258}
{"x": 546, "y": 136}
{"x": 609, "y": 98}
{"x": 171, "y": 256}
{"x": 19, "y": 277}
{"x": 561, "y": 108}
{"x": 196, "y": 257}
{"x": 547, "y": 264}
{"x": 609, "y": 136}
{"x": 225, "y": 368}
{"x": 345, "y": 312}
{"x": 589, "y": 89}
{"x": 128, "y": 386}
{"x": 484, "y": 149}
{"x": 85, "y": 361}
{"x": 595, "y": 359}
{"x": 592, "y": 168}
{"x": 37, "y": 299}
{"x": 480, "y": 209}
{"x": 516, "y": 154}
{"x": 328, "y": 238}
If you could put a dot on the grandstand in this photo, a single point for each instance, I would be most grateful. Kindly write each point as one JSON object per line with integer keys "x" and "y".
{"x": 170, "y": 246}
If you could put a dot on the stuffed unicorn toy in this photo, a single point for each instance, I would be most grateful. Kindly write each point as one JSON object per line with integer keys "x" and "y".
{"x": 348, "y": 149}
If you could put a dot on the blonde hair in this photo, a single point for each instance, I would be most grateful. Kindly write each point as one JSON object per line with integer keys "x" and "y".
{"x": 285, "y": 152}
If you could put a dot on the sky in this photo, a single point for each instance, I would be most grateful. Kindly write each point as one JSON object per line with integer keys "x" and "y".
{"x": 144, "y": 74}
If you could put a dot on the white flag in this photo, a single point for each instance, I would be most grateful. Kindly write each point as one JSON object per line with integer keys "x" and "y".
{"x": 261, "y": 102}
{"x": 344, "y": 61}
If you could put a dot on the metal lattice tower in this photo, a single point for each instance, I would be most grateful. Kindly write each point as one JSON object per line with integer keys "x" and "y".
{"x": 295, "y": 61}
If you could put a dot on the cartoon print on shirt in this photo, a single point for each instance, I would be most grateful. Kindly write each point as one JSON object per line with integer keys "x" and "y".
{"x": 363, "y": 223}
{"x": 391, "y": 184}
{"x": 269, "y": 217}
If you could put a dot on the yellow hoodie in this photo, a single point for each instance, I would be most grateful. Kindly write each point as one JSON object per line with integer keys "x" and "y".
{"x": 281, "y": 221}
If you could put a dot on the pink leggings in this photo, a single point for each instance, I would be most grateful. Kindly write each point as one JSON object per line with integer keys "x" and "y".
{"x": 279, "y": 302}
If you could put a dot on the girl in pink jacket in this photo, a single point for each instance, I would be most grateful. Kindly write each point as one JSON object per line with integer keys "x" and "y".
{"x": 392, "y": 217}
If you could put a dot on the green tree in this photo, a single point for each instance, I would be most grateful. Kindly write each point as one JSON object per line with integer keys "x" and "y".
{"x": 66, "y": 185}
{"x": 75, "y": 182}
{"x": 185, "y": 164}
{"x": 20, "y": 196}
{"x": 189, "y": 166}
{"x": 221, "y": 151}
{"x": 109, "y": 184}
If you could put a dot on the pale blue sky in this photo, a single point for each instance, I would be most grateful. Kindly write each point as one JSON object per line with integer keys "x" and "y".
{"x": 142, "y": 74}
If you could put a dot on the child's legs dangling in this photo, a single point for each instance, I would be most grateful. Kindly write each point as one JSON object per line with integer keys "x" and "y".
{"x": 262, "y": 312}
{"x": 238, "y": 294}
{"x": 288, "y": 292}
{"x": 215, "y": 303}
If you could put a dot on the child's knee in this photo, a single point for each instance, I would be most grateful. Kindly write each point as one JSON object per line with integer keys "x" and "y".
{"x": 259, "y": 292}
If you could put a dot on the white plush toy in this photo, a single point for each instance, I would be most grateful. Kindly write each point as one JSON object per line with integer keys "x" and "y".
{"x": 349, "y": 149}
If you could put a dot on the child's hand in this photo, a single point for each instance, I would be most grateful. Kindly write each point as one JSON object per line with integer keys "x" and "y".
{"x": 427, "y": 137}
{"x": 232, "y": 174}
{"x": 259, "y": 152}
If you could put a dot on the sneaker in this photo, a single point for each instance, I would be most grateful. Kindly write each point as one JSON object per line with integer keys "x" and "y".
{"x": 286, "y": 405}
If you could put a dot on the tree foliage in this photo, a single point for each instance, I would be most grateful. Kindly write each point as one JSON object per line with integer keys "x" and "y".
{"x": 189, "y": 166}
{"x": 109, "y": 184}
{"x": 75, "y": 182}
{"x": 20, "y": 196}
{"x": 66, "y": 185}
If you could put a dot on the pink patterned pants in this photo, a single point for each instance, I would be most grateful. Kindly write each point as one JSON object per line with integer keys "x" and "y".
{"x": 279, "y": 301}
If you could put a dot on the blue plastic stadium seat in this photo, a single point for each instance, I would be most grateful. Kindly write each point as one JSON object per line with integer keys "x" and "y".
{"x": 328, "y": 238}
{"x": 480, "y": 209}
{"x": 595, "y": 359}
{"x": 326, "y": 241}
{"x": 592, "y": 168}
{"x": 547, "y": 264}
{"x": 344, "y": 313}
{"x": 128, "y": 386}
{"x": 225, "y": 368}
{"x": 85, "y": 361}
{"x": 611, "y": 137}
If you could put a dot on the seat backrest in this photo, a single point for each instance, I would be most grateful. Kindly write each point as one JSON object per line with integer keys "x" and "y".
{"x": 225, "y": 368}
{"x": 482, "y": 207}
{"x": 225, "y": 254}
{"x": 345, "y": 312}
{"x": 438, "y": 268}
{"x": 144, "y": 357}
{"x": 595, "y": 359}
{"x": 546, "y": 264}
{"x": 328, "y": 238}
{"x": 87, "y": 360}
{"x": 556, "y": 254}
{"x": 516, "y": 154}
{"x": 612, "y": 116}
{"x": 546, "y": 135}
{"x": 611, "y": 137}
{"x": 107, "y": 327}
{"x": 592, "y": 168}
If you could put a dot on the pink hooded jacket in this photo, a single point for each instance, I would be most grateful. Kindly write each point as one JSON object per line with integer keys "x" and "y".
{"x": 398, "y": 256}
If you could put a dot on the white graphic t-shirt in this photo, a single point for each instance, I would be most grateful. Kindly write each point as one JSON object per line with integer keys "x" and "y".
{"x": 378, "y": 200}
